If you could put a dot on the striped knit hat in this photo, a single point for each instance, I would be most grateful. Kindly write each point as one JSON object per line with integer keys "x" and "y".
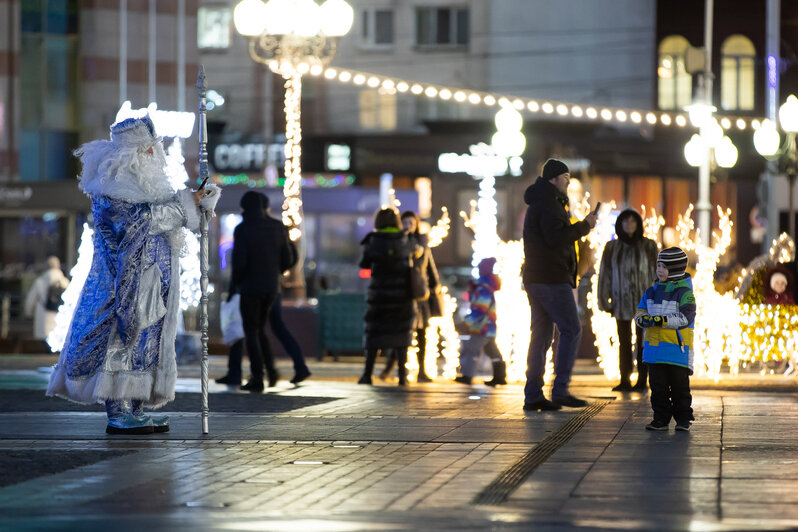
{"x": 675, "y": 260}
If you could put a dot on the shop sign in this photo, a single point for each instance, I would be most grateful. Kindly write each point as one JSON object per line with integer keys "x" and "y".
{"x": 15, "y": 195}
{"x": 229, "y": 157}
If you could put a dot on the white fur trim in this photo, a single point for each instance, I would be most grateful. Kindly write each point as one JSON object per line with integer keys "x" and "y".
{"x": 211, "y": 198}
{"x": 189, "y": 209}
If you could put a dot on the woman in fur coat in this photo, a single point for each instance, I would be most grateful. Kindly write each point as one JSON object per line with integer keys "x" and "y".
{"x": 628, "y": 268}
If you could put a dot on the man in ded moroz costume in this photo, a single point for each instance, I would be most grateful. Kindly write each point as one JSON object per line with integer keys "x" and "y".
{"x": 120, "y": 348}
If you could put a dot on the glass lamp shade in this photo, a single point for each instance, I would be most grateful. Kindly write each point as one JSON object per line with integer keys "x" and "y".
{"x": 336, "y": 18}
{"x": 306, "y": 17}
{"x": 278, "y": 17}
{"x": 726, "y": 153}
{"x": 699, "y": 113}
{"x": 508, "y": 143}
{"x": 712, "y": 133}
{"x": 766, "y": 138}
{"x": 249, "y": 17}
{"x": 508, "y": 119}
{"x": 788, "y": 114}
{"x": 695, "y": 150}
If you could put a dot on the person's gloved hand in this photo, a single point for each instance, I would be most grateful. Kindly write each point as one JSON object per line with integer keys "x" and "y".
{"x": 211, "y": 196}
{"x": 658, "y": 321}
{"x": 644, "y": 321}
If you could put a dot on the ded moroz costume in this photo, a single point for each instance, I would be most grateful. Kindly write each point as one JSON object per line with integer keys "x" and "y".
{"x": 120, "y": 348}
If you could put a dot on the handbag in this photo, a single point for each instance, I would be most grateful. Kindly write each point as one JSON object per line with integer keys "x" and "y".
{"x": 419, "y": 289}
{"x": 436, "y": 302}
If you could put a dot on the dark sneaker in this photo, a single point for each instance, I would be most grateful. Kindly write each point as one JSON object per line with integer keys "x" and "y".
{"x": 683, "y": 427}
{"x": 570, "y": 400}
{"x": 463, "y": 379}
{"x": 254, "y": 386}
{"x": 657, "y": 425}
{"x": 623, "y": 387}
{"x": 365, "y": 379}
{"x": 640, "y": 387}
{"x": 541, "y": 404}
{"x": 300, "y": 375}
{"x": 422, "y": 377}
{"x": 273, "y": 378}
{"x": 228, "y": 380}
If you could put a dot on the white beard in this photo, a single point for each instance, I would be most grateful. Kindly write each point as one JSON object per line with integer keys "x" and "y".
{"x": 124, "y": 173}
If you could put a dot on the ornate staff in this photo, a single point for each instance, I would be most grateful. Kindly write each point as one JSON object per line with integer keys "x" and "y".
{"x": 202, "y": 87}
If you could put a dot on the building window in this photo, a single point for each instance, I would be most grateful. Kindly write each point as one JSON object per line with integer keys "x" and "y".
{"x": 49, "y": 80}
{"x": 737, "y": 73}
{"x": 213, "y": 27}
{"x": 377, "y": 28}
{"x": 442, "y": 26}
{"x": 377, "y": 110}
{"x": 675, "y": 83}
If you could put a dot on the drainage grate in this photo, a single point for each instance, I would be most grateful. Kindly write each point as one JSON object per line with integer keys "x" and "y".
{"x": 500, "y": 489}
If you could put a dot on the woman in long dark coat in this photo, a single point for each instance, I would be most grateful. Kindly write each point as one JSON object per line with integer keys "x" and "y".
{"x": 391, "y": 311}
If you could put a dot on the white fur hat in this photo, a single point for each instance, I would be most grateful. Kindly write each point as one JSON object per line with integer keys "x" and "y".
{"x": 135, "y": 132}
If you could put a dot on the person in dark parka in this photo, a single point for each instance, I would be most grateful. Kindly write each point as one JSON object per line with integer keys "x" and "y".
{"x": 549, "y": 276}
{"x": 628, "y": 267}
{"x": 390, "y": 309}
{"x": 261, "y": 253}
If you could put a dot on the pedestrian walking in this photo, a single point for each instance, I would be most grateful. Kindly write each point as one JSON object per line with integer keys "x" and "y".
{"x": 666, "y": 312}
{"x": 480, "y": 324}
{"x": 261, "y": 253}
{"x": 278, "y": 327}
{"x": 628, "y": 267}
{"x": 549, "y": 276}
{"x": 44, "y": 298}
{"x": 390, "y": 308}
{"x": 120, "y": 348}
{"x": 425, "y": 264}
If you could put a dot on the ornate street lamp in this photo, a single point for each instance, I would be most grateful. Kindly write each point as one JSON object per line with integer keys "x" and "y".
{"x": 293, "y": 37}
{"x": 767, "y": 142}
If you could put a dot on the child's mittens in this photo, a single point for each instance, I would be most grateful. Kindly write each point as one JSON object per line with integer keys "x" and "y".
{"x": 659, "y": 321}
{"x": 643, "y": 321}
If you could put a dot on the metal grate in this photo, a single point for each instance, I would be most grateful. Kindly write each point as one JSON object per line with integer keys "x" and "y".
{"x": 500, "y": 489}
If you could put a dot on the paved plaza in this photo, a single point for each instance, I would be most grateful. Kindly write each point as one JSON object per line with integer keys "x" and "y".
{"x": 331, "y": 455}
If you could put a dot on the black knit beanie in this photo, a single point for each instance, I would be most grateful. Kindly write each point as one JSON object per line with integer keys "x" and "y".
{"x": 675, "y": 260}
{"x": 552, "y": 168}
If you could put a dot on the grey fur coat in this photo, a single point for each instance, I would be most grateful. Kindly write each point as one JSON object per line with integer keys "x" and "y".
{"x": 628, "y": 267}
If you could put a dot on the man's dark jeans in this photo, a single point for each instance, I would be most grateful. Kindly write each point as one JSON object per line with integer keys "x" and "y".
{"x": 670, "y": 393}
{"x": 254, "y": 314}
{"x": 551, "y": 304}
{"x": 285, "y": 337}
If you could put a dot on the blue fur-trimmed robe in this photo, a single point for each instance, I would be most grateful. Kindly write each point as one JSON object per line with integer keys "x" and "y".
{"x": 121, "y": 342}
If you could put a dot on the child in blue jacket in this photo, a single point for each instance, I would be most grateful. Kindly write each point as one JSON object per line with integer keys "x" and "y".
{"x": 481, "y": 326}
{"x": 666, "y": 313}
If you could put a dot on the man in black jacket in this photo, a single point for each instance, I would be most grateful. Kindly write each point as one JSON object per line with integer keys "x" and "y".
{"x": 549, "y": 279}
{"x": 261, "y": 253}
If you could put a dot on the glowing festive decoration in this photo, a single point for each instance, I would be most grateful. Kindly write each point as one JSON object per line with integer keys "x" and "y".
{"x": 440, "y": 230}
{"x": 292, "y": 189}
{"x": 564, "y": 110}
{"x": 512, "y": 309}
{"x": 78, "y": 275}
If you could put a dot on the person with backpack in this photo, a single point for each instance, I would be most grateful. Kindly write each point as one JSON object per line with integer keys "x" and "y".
{"x": 44, "y": 298}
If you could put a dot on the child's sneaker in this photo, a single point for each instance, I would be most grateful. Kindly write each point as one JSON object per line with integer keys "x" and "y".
{"x": 657, "y": 425}
{"x": 683, "y": 427}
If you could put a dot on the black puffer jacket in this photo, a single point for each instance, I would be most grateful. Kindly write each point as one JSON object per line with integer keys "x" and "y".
{"x": 391, "y": 311}
{"x": 426, "y": 264}
{"x": 261, "y": 253}
{"x": 549, "y": 236}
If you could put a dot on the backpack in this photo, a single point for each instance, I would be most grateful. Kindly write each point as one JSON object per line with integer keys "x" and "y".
{"x": 53, "y": 299}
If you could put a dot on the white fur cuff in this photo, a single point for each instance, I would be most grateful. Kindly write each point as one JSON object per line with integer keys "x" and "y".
{"x": 211, "y": 198}
{"x": 189, "y": 209}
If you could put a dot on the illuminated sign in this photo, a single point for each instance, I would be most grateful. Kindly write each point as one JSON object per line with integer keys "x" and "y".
{"x": 339, "y": 157}
{"x": 239, "y": 156}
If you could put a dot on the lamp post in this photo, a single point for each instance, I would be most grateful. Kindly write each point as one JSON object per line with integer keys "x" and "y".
{"x": 292, "y": 37}
{"x": 767, "y": 142}
{"x": 707, "y": 150}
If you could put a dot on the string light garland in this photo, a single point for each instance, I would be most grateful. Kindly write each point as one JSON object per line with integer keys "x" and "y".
{"x": 533, "y": 106}
{"x": 292, "y": 189}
